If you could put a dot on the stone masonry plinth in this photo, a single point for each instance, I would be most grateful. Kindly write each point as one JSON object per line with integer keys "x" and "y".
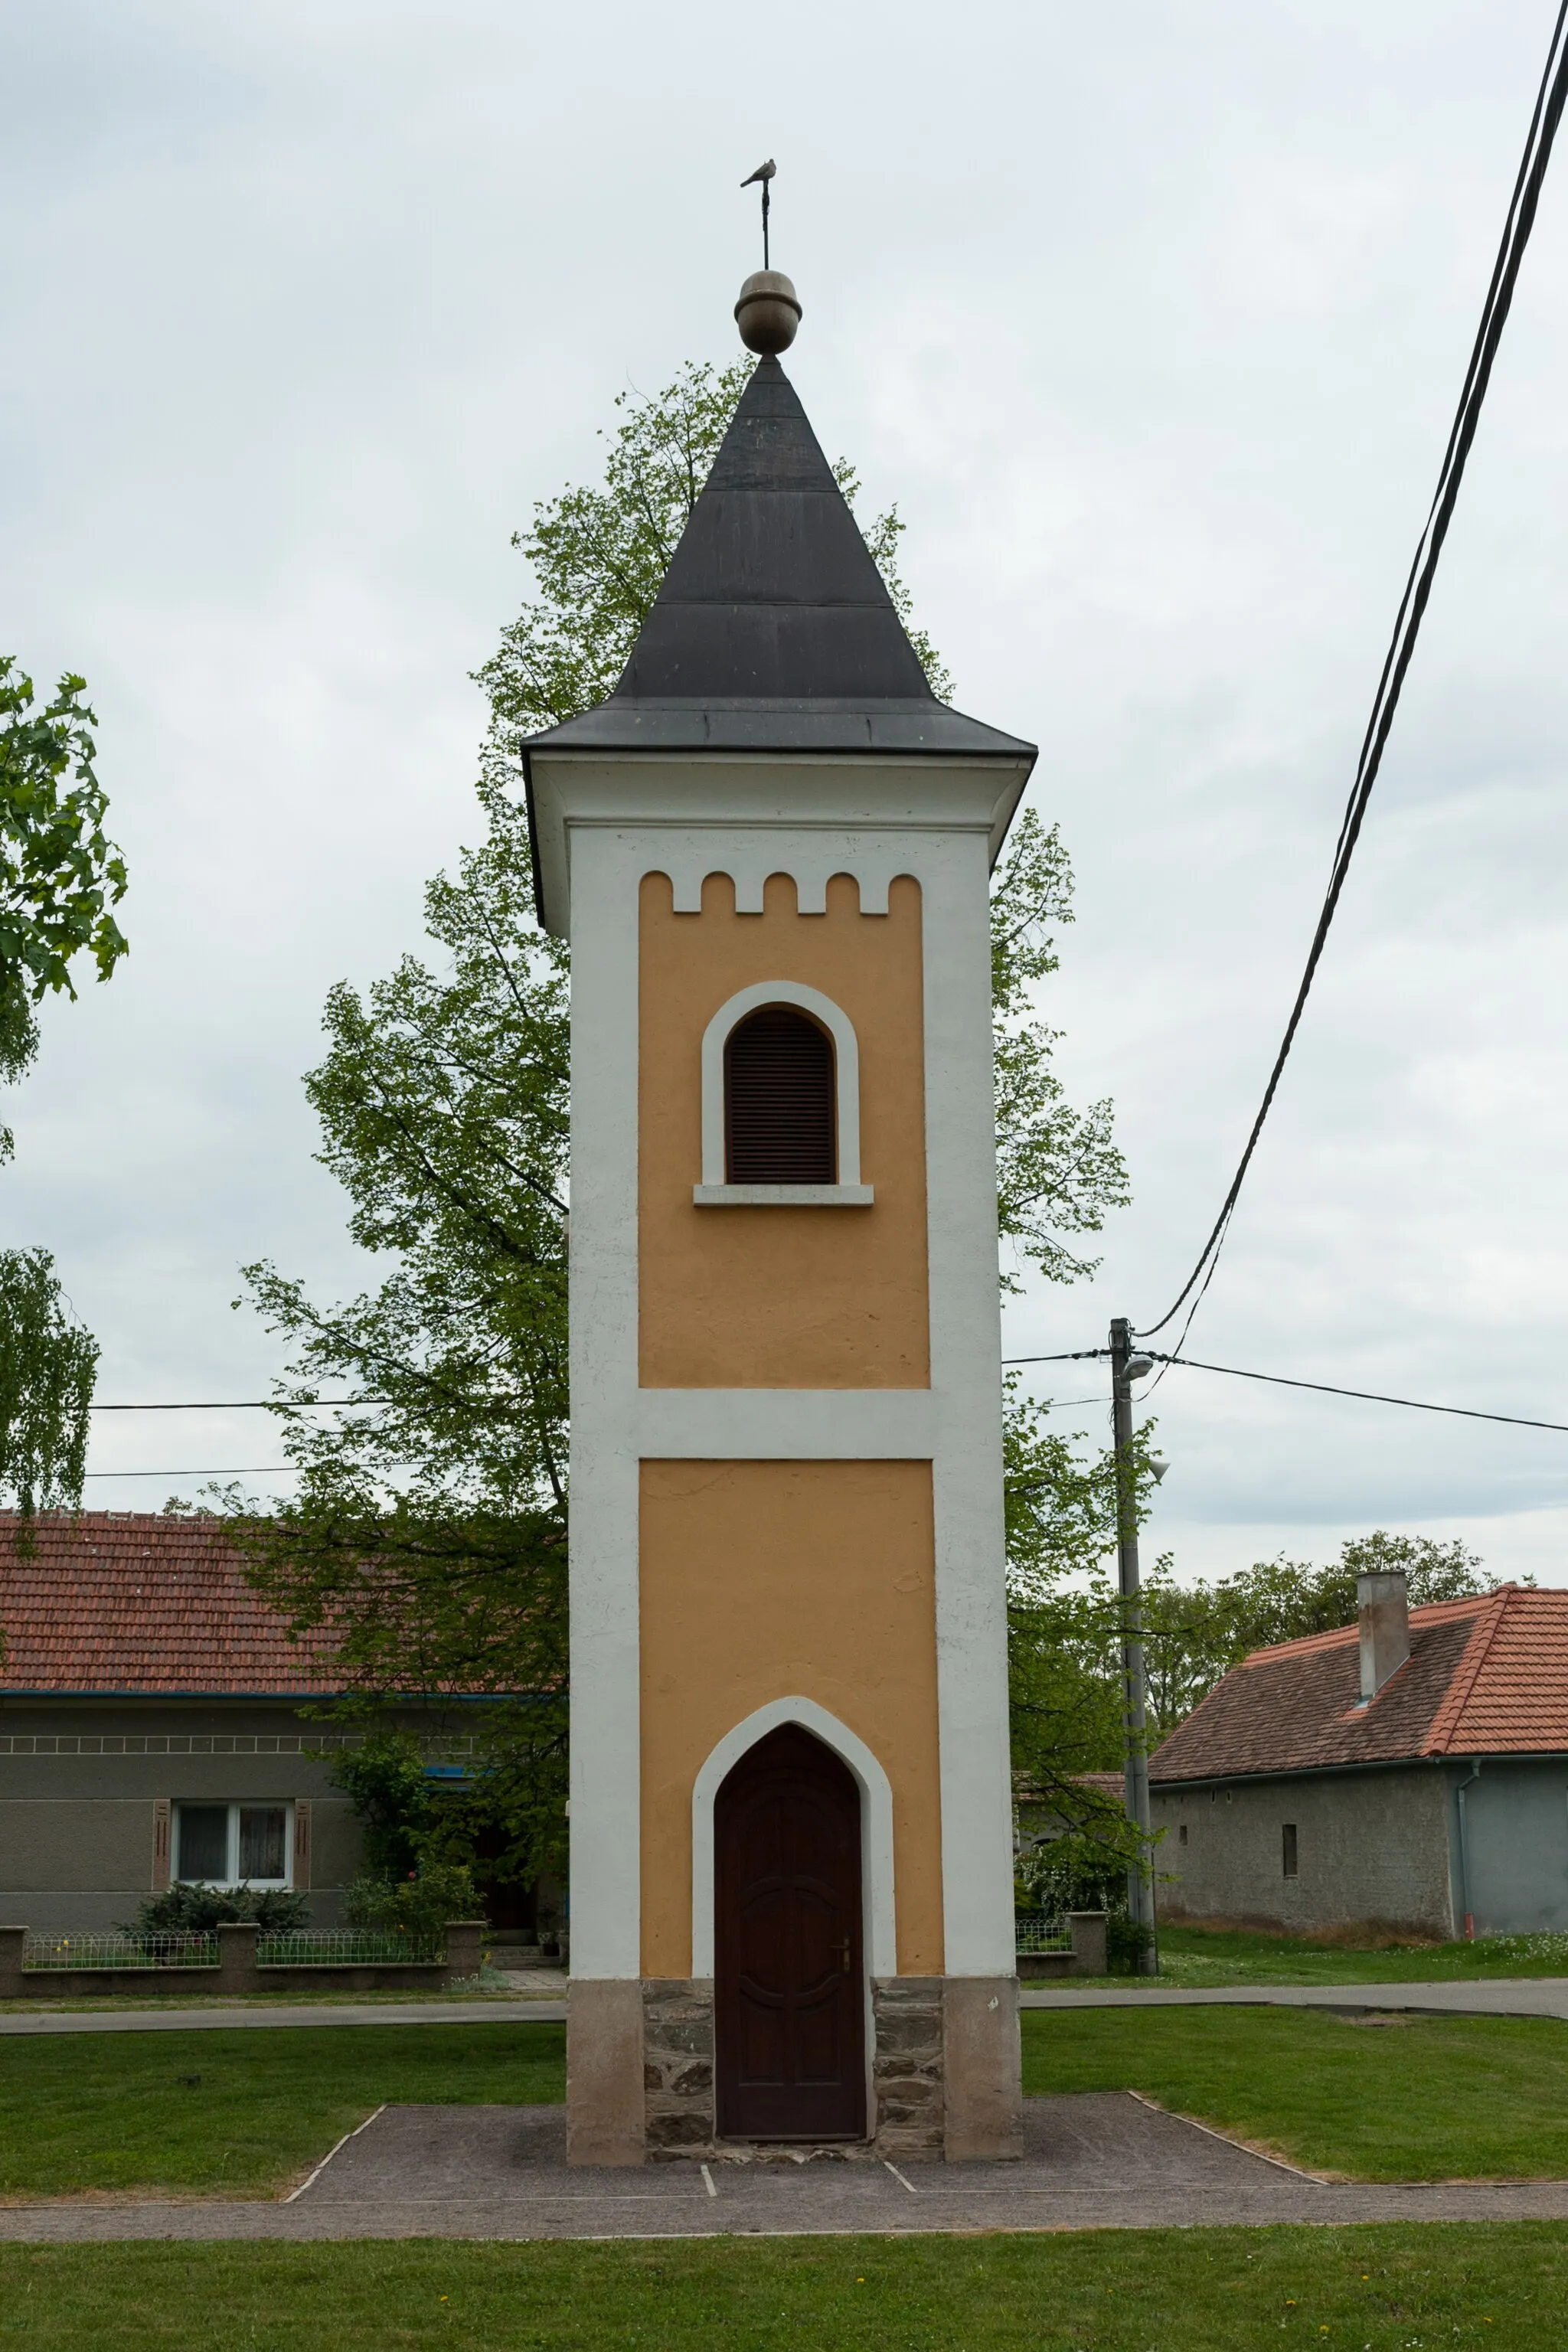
{"x": 909, "y": 2103}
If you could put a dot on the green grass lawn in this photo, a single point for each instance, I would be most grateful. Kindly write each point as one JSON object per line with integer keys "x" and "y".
{"x": 244, "y": 2113}
{"x": 1373, "y": 2290}
{"x": 1420, "y": 2098}
{"x": 1197, "y": 1955}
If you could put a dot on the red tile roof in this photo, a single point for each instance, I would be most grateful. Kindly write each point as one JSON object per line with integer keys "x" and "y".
{"x": 129, "y": 1601}
{"x": 1487, "y": 1676}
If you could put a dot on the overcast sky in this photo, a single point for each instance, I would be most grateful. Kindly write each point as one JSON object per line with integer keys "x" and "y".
{"x": 1150, "y": 319}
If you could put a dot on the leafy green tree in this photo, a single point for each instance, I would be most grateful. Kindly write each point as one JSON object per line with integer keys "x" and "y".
{"x": 430, "y": 1528}
{"x": 48, "y": 1365}
{"x": 60, "y": 879}
{"x": 1059, "y": 1171}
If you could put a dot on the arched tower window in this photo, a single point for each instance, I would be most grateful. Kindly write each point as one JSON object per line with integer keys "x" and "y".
{"x": 780, "y": 1100}
{"x": 781, "y": 1103}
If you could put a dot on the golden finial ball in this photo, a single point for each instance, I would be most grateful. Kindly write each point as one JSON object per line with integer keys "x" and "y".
{"x": 767, "y": 313}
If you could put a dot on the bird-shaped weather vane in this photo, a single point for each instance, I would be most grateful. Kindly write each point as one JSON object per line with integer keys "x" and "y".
{"x": 765, "y": 172}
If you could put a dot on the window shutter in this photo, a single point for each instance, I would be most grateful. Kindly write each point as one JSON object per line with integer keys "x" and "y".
{"x": 779, "y": 1100}
{"x": 160, "y": 1855}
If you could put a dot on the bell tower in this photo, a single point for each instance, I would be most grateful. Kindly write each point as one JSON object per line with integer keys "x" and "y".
{"x": 792, "y": 1911}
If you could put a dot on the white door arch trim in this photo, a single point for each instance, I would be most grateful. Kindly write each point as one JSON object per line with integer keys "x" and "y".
{"x": 875, "y": 1827}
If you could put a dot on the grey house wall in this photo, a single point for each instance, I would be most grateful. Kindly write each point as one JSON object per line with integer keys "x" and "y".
{"x": 1370, "y": 1847}
{"x": 80, "y": 1784}
{"x": 1516, "y": 1846}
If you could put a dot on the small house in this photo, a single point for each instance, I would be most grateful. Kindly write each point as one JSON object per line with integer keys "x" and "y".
{"x": 158, "y": 1722}
{"x": 1407, "y": 1772}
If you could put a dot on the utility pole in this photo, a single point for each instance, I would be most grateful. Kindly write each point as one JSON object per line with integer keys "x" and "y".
{"x": 1141, "y": 1876}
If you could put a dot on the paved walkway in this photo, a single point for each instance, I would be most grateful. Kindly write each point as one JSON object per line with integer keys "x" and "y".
{"x": 1473, "y": 1996}
{"x": 1494, "y": 1997}
{"x": 198, "y": 2020}
{"x": 1094, "y": 2161}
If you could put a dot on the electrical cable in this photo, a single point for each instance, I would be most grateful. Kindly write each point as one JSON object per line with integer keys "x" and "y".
{"x": 238, "y": 1404}
{"x": 1369, "y": 1396}
{"x": 1517, "y": 228}
{"x": 255, "y": 1470}
{"x": 1281, "y": 1381}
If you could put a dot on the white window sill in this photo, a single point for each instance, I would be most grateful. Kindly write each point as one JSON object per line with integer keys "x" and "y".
{"x": 783, "y": 1196}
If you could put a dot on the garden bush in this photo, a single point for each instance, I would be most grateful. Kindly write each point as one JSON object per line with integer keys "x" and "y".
{"x": 189, "y": 1910}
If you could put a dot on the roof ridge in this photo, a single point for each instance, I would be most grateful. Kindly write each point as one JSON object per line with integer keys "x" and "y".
{"x": 1426, "y": 1612}
{"x": 1467, "y": 1673}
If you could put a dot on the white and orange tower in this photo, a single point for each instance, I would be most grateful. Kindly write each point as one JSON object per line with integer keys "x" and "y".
{"x": 791, "y": 1912}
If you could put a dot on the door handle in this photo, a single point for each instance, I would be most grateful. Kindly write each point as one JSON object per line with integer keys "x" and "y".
{"x": 843, "y": 1955}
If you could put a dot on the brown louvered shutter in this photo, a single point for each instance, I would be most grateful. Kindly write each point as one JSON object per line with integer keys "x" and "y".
{"x": 779, "y": 1124}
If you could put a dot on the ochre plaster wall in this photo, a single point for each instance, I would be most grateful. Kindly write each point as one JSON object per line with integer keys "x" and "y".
{"x": 776, "y": 1297}
{"x": 773, "y": 1580}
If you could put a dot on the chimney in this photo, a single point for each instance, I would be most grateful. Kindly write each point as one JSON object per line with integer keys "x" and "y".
{"x": 1383, "y": 1604}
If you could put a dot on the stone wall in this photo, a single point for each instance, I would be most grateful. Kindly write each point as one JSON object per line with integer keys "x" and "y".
{"x": 1370, "y": 1848}
{"x": 678, "y": 2065}
{"x": 908, "y": 2092}
{"x": 908, "y": 2072}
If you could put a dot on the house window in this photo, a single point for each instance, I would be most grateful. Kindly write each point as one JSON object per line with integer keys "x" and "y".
{"x": 1288, "y": 1840}
{"x": 1182, "y": 1834}
{"x": 779, "y": 1105}
{"x": 232, "y": 1845}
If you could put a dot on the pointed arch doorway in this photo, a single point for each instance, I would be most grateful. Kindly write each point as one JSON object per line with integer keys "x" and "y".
{"x": 789, "y": 1971}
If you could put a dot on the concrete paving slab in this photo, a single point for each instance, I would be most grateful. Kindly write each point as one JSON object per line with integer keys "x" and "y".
{"x": 1091, "y": 2161}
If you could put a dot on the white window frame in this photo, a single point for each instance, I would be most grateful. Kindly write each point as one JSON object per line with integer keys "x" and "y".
{"x": 234, "y": 1806}
{"x": 713, "y": 1193}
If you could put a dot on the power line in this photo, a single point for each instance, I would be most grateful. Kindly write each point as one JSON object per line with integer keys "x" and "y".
{"x": 240, "y": 1404}
{"x": 1067, "y": 1356}
{"x": 1282, "y": 1381}
{"x": 1368, "y": 1396}
{"x": 255, "y": 1470}
{"x": 1412, "y": 605}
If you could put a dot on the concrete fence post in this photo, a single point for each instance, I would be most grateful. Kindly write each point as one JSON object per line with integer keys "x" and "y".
{"x": 1088, "y": 1953}
{"x": 236, "y": 1968}
{"x": 12, "y": 1944}
{"x": 465, "y": 1948}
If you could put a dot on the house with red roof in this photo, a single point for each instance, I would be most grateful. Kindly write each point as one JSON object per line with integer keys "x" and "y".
{"x": 158, "y": 1722}
{"x": 1408, "y": 1772}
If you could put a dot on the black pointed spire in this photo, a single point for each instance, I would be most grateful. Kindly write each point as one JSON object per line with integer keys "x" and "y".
{"x": 774, "y": 630}
{"x": 773, "y": 594}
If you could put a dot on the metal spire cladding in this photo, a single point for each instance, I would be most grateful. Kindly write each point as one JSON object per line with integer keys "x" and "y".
{"x": 774, "y": 629}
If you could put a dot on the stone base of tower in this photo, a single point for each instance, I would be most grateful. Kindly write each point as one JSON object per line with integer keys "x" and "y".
{"x": 605, "y": 2071}
{"x": 945, "y": 2077}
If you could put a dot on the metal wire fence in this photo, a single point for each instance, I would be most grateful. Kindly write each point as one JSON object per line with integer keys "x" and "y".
{"x": 345, "y": 1948}
{"x": 1042, "y": 1931}
{"x": 121, "y": 1951}
{"x": 304, "y": 1948}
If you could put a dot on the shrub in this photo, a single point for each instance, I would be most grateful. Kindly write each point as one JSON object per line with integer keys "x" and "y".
{"x": 191, "y": 1910}
{"x": 418, "y": 1907}
{"x": 1126, "y": 1941}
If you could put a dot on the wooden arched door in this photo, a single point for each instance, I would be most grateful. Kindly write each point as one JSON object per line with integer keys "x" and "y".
{"x": 789, "y": 1991}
